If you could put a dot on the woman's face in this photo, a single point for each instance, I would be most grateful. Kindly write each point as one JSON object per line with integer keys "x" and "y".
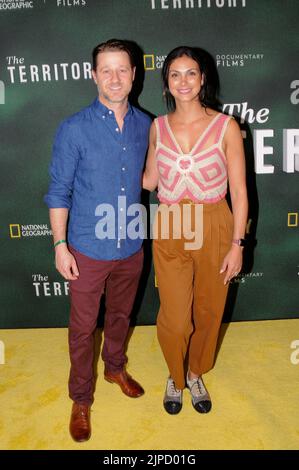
{"x": 184, "y": 79}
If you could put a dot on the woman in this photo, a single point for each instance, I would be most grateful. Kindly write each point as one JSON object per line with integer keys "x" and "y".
{"x": 195, "y": 151}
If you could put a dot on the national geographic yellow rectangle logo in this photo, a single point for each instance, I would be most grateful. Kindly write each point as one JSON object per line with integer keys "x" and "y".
{"x": 292, "y": 219}
{"x": 149, "y": 61}
{"x": 15, "y": 231}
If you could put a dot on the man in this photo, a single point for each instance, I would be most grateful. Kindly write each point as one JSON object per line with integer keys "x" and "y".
{"x": 98, "y": 156}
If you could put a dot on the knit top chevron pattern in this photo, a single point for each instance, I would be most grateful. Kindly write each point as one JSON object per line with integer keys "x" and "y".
{"x": 200, "y": 175}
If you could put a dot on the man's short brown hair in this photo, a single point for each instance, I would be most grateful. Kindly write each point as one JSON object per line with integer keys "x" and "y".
{"x": 112, "y": 45}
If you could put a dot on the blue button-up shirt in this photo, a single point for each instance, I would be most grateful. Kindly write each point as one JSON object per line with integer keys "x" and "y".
{"x": 96, "y": 173}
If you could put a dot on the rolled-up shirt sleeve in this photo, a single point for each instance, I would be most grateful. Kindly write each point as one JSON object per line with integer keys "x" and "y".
{"x": 63, "y": 167}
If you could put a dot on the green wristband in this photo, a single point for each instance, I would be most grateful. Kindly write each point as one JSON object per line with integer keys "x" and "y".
{"x": 58, "y": 243}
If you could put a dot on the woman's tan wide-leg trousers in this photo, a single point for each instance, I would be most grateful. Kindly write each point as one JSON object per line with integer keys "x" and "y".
{"x": 191, "y": 288}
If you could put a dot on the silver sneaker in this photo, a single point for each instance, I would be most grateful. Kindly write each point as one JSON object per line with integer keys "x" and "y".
{"x": 173, "y": 398}
{"x": 201, "y": 400}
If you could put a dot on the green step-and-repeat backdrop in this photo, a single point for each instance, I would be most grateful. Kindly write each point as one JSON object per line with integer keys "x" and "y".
{"x": 45, "y": 75}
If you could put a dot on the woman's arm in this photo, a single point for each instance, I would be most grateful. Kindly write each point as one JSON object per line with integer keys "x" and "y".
{"x": 151, "y": 174}
{"x": 234, "y": 151}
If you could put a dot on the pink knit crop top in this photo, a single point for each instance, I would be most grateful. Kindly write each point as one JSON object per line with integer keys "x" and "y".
{"x": 200, "y": 175}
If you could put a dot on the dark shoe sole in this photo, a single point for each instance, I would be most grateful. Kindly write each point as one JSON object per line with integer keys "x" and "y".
{"x": 203, "y": 407}
{"x": 172, "y": 408}
{"x": 81, "y": 440}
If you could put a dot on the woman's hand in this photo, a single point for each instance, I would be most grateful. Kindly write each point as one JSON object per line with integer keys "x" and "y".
{"x": 232, "y": 263}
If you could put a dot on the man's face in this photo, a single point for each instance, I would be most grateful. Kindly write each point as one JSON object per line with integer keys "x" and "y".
{"x": 113, "y": 76}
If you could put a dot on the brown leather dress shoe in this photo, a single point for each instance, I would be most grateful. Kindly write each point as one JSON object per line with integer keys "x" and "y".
{"x": 129, "y": 386}
{"x": 80, "y": 428}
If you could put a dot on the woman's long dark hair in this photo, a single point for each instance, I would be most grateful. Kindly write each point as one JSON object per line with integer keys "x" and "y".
{"x": 208, "y": 95}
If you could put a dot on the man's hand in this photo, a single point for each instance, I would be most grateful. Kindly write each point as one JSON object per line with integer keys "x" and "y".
{"x": 66, "y": 263}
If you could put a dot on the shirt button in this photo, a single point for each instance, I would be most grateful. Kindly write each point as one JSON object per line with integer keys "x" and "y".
{"x": 117, "y": 129}
{"x": 110, "y": 112}
{"x": 123, "y": 168}
{"x": 103, "y": 117}
{"x": 122, "y": 188}
{"x": 124, "y": 148}
{"x": 121, "y": 209}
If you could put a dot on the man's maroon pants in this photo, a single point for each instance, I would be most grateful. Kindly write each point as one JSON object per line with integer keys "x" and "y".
{"x": 119, "y": 279}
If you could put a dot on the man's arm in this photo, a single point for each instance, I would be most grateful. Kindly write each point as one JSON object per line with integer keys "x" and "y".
{"x": 59, "y": 197}
{"x": 64, "y": 260}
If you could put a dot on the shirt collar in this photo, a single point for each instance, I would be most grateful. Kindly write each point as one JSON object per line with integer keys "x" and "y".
{"x": 102, "y": 110}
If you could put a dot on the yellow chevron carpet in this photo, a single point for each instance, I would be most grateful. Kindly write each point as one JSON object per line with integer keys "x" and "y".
{"x": 254, "y": 387}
